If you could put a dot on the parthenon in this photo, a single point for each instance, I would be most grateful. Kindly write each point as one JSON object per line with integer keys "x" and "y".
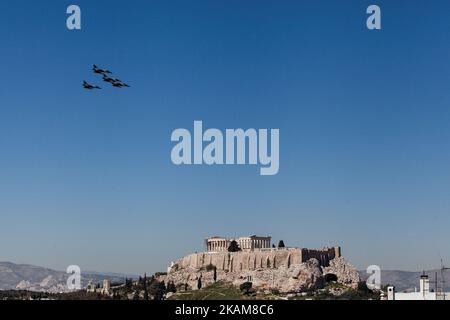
{"x": 219, "y": 244}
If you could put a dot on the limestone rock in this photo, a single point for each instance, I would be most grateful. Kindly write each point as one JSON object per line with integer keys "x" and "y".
{"x": 290, "y": 270}
{"x": 296, "y": 278}
{"x": 346, "y": 274}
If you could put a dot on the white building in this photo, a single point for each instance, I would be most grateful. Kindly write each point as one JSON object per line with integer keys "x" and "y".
{"x": 424, "y": 292}
{"x": 105, "y": 290}
{"x": 250, "y": 243}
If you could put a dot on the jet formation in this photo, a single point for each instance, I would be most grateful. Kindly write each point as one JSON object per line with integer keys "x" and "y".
{"x": 116, "y": 83}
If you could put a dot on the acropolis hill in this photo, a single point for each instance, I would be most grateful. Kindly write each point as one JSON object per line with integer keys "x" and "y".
{"x": 283, "y": 269}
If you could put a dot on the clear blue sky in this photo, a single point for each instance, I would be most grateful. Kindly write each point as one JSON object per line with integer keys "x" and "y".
{"x": 364, "y": 116}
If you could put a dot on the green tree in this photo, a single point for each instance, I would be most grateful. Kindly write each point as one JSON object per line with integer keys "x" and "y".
{"x": 234, "y": 247}
{"x": 128, "y": 284}
{"x": 146, "y": 293}
{"x": 171, "y": 287}
{"x": 281, "y": 244}
{"x": 157, "y": 289}
{"x": 215, "y": 274}
{"x": 162, "y": 290}
{"x": 245, "y": 287}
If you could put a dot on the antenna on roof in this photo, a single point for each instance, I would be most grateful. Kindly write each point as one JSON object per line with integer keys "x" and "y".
{"x": 443, "y": 268}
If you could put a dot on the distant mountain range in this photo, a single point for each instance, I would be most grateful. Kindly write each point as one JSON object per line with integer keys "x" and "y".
{"x": 27, "y": 277}
{"x": 409, "y": 280}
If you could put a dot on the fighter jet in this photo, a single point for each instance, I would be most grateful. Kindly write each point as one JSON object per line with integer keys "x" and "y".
{"x": 89, "y": 86}
{"x": 119, "y": 84}
{"x": 108, "y": 79}
{"x": 100, "y": 71}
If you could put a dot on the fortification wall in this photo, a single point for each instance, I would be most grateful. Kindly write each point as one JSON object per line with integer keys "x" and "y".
{"x": 258, "y": 259}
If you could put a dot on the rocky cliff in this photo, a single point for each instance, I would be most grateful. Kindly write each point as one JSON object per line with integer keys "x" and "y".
{"x": 287, "y": 270}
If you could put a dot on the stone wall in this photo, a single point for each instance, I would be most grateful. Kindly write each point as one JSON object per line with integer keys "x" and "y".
{"x": 258, "y": 259}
